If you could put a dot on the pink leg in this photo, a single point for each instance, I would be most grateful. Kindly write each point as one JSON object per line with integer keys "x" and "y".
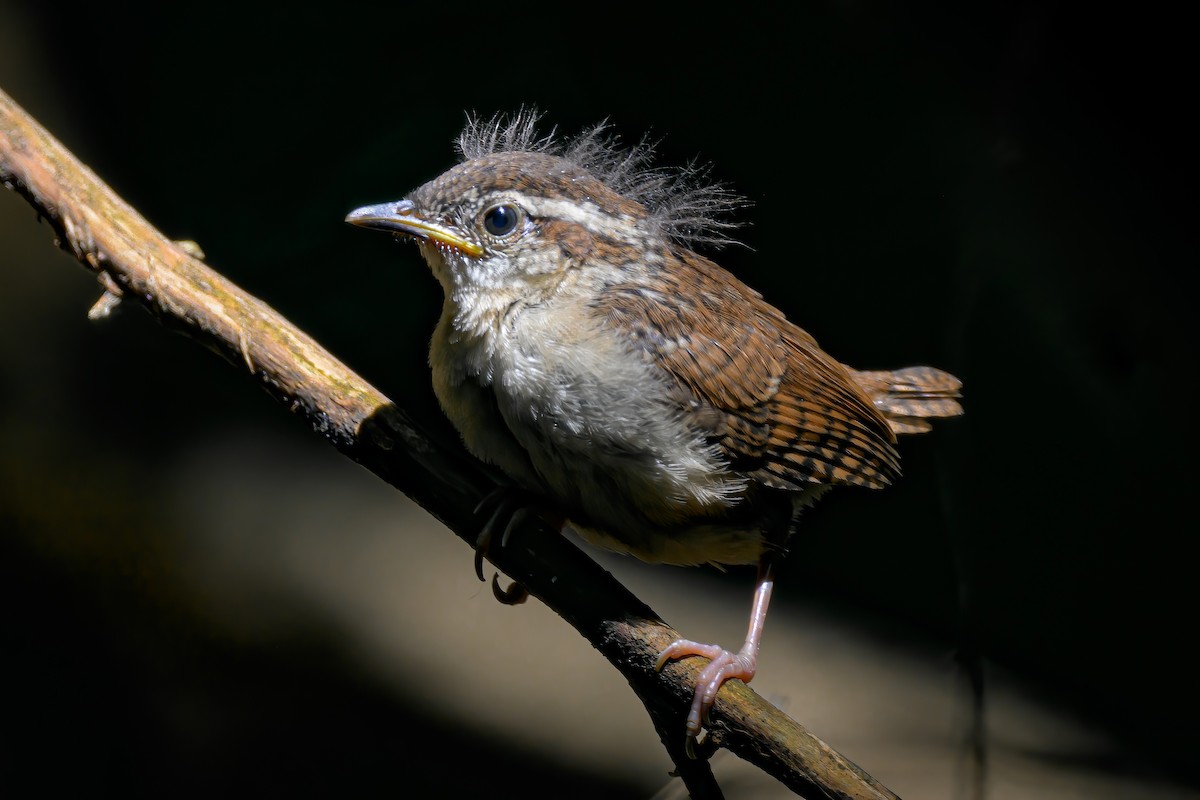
{"x": 723, "y": 664}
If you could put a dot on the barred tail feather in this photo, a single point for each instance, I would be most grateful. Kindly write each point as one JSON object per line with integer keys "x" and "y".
{"x": 908, "y": 398}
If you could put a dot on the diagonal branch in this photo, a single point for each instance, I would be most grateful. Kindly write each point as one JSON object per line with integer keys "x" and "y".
{"x": 134, "y": 262}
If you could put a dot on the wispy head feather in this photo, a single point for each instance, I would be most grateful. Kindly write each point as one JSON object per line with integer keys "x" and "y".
{"x": 684, "y": 203}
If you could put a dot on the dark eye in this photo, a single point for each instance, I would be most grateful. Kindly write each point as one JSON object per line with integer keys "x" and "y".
{"x": 501, "y": 220}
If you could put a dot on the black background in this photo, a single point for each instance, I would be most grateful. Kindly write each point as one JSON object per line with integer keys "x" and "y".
{"x": 1002, "y": 191}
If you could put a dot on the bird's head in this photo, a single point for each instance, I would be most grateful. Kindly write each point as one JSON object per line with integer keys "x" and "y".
{"x": 521, "y": 212}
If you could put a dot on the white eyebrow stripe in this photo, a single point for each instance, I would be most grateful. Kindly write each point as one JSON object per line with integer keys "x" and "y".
{"x": 620, "y": 227}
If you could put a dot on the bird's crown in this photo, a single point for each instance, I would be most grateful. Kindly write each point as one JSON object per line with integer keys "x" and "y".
{"x": 508, "y": 152}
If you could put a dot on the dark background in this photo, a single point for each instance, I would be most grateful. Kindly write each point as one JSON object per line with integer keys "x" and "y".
{"x": 1002, "y": 191}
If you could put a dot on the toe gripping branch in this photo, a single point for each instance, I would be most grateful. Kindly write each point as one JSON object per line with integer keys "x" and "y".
{"x": 510, "y": 507}
{"x": 723, "y": 664}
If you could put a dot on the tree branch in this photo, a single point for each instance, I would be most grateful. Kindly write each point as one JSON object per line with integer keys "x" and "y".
{"x": 134, "y": 262}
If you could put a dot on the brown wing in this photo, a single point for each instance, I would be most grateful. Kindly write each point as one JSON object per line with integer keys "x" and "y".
{"x": 783, "y": 411}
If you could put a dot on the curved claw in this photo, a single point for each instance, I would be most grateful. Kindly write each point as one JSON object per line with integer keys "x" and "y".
{"x": 480, "y": 549}
{"x": 519, "y": 515}
{"x": 514, "y": 595}
{"x": 509, "y": 506}
{"x": 501, "y": 497}
{"x": 692, "y": 742}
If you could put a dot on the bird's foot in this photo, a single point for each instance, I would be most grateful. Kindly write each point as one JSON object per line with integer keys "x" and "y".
{"x": 509, "y": 507}
{"x": 722, "y": 666}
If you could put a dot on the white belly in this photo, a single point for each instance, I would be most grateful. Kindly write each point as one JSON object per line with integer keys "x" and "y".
{"x": 573, "y": 415}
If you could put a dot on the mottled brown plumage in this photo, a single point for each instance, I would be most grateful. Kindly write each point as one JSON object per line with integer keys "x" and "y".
{"x": 661, "y": 405}
{"x": 789, "y": 415}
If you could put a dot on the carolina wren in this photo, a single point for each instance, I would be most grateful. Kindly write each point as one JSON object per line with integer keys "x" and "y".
{"x": 661, "y": 405}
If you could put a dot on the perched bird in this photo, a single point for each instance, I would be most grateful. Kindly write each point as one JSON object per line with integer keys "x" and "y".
{"x": 658, "y": 403}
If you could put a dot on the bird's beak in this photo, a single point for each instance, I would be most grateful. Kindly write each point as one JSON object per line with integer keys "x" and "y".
{"x": 401, "y": 217}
